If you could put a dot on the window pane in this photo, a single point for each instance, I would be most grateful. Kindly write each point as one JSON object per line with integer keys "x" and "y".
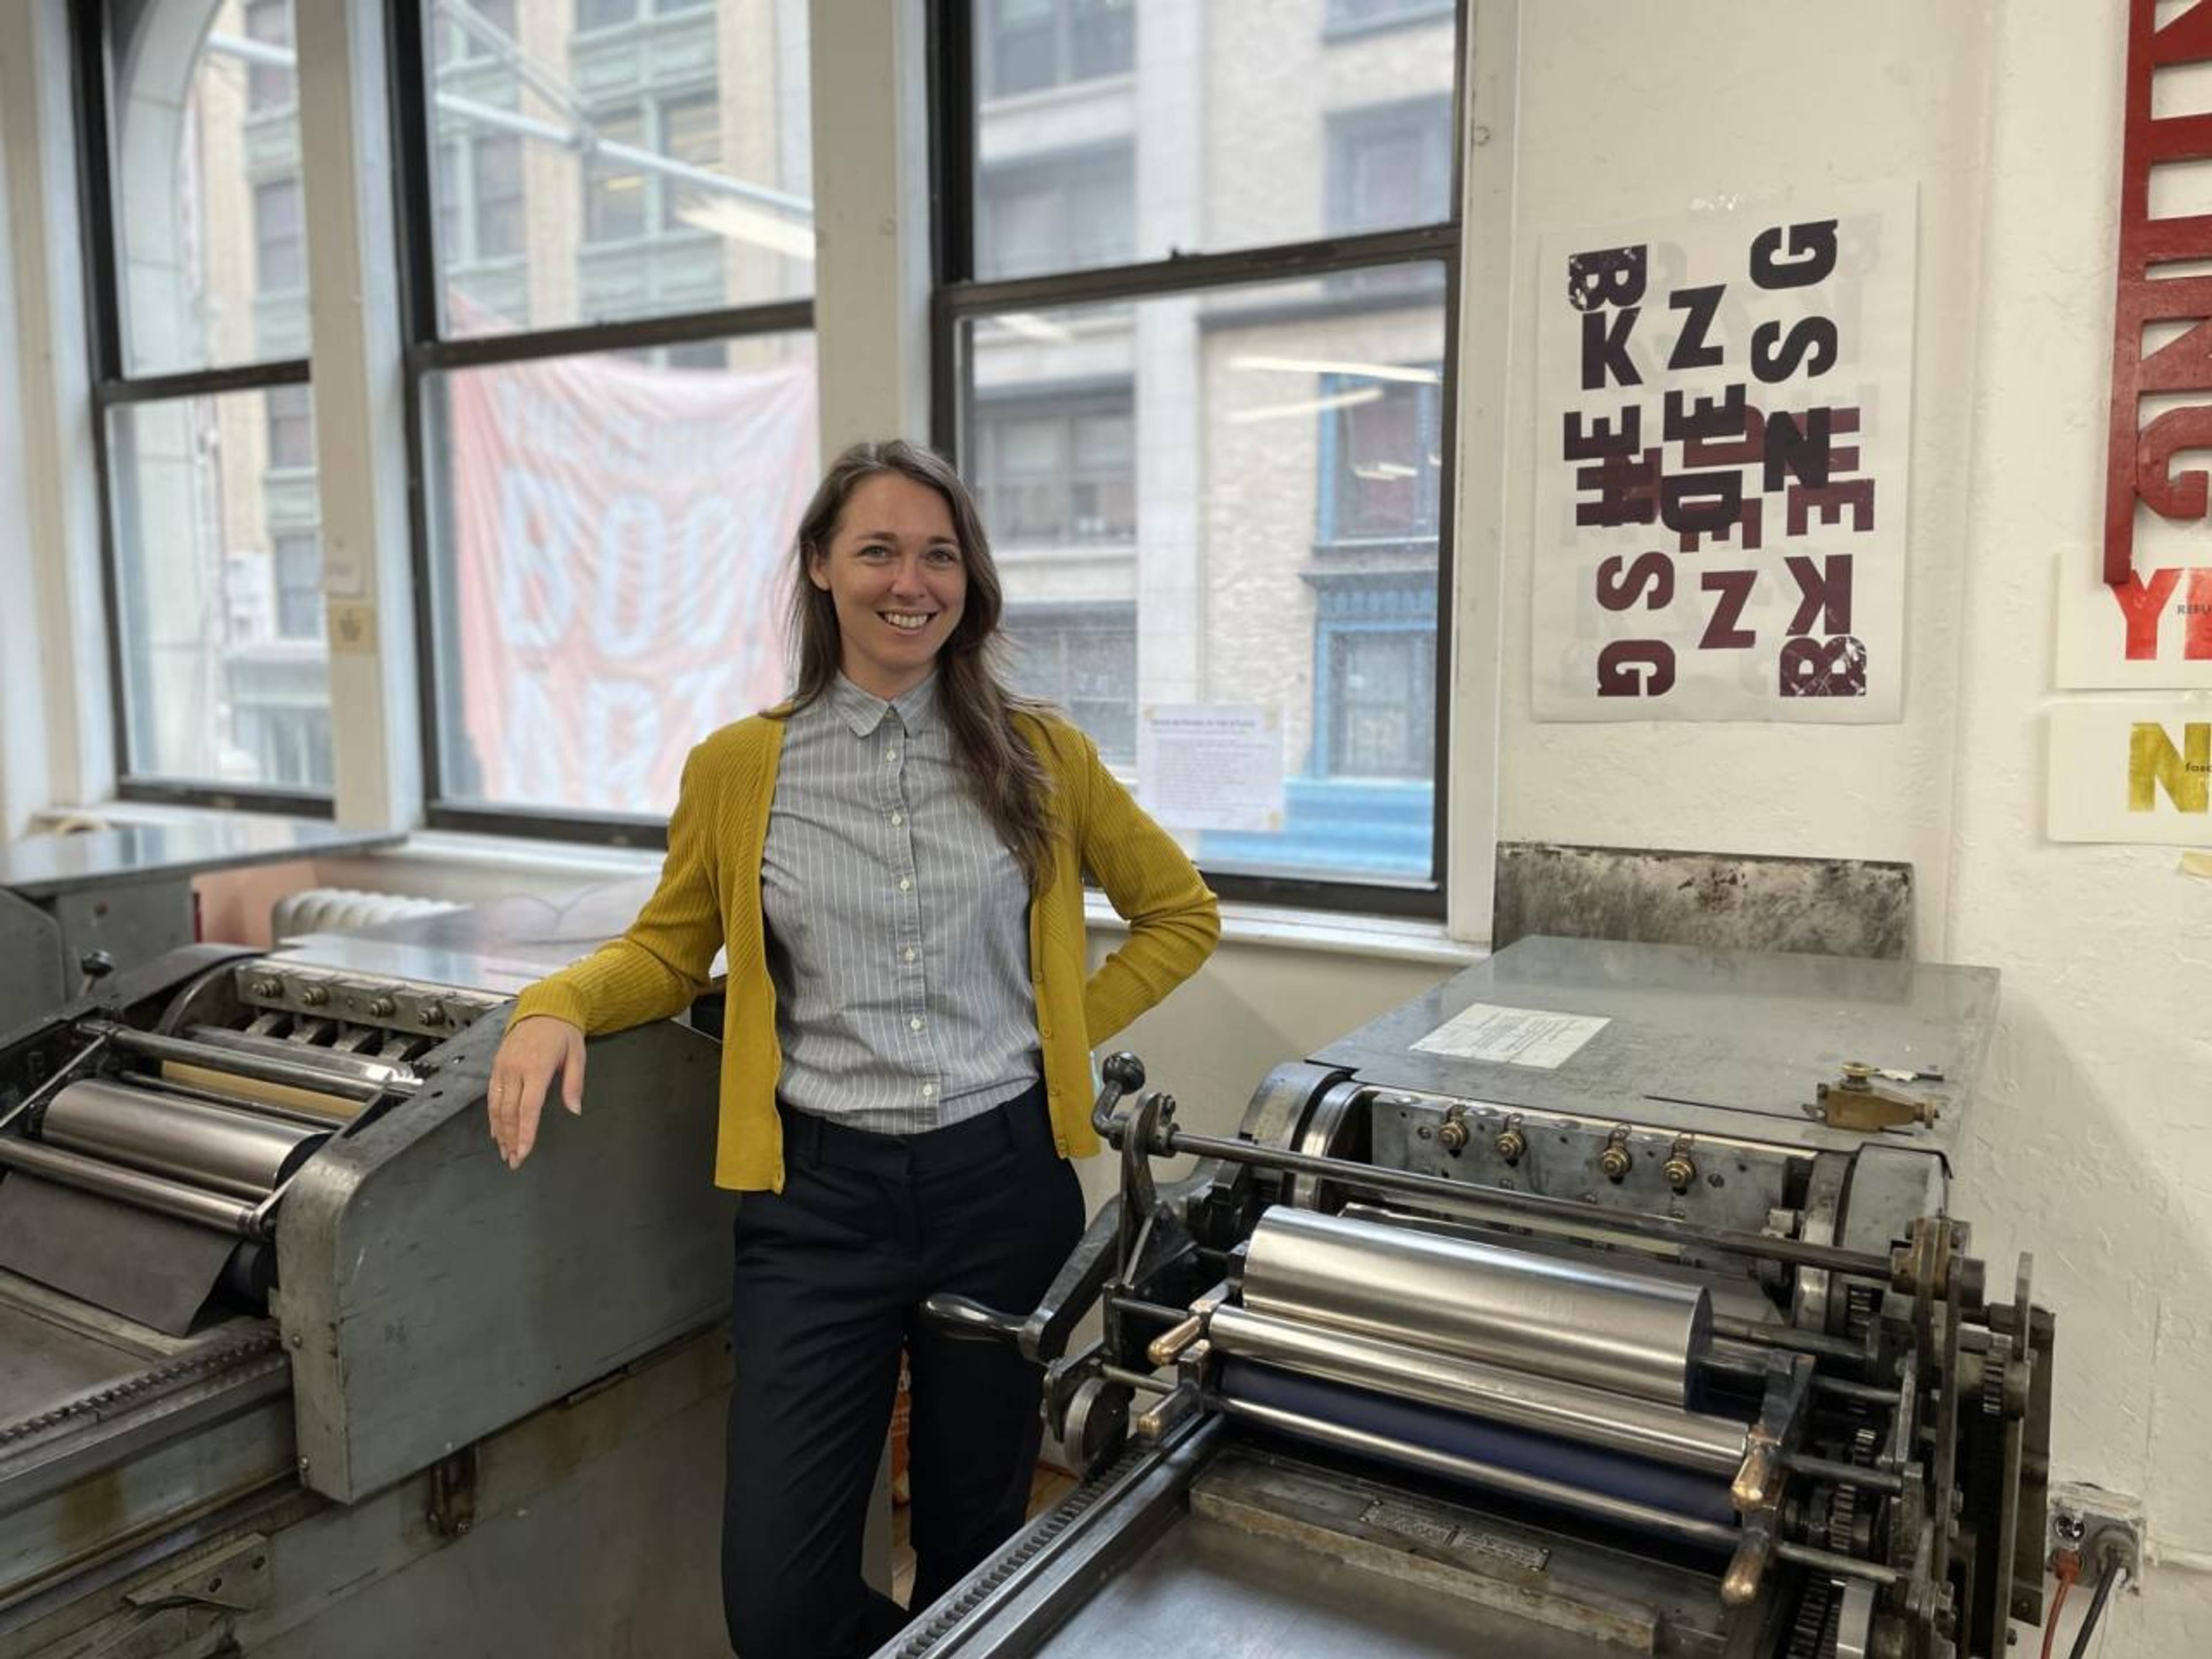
{"x": 608, "y": 542}
{"x": 269, "y": 83}
{"x": 1235, "y": 148}
{"x": 1261, "y": 578}
{"x": 614, "y": 185}
{"x": 1083, "y": 658}
{"x": 1056, "y": 213}
{"x": 219, "y": 576}
{"x": 1390, "y": 166}
{"x": 692, "y": 134}
{"x": 632, "y": 160}
{"x": 205, "y": 164}
{"x": 280, "y": 250}
{"x": 291, "y": 427}
{"x": 499, "y": 197}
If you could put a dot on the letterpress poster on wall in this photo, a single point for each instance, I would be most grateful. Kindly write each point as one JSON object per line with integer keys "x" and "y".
{"x": 1723, "y": 430}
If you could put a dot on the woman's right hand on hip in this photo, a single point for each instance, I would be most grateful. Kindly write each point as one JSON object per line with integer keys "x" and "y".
{"x": 532, "y": 1052}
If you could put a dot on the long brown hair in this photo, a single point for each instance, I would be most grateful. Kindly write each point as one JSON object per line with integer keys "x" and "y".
{"x": 1006, "y": 778}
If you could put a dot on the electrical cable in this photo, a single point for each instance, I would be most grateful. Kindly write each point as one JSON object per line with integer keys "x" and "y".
{"x": 2115, "y": 1570}
{"x": 2066, "y": 1570}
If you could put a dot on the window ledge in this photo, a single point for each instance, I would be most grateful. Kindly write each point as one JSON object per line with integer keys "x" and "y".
{"x": 525, "y": 854}
{"x": 1389, "y": 937}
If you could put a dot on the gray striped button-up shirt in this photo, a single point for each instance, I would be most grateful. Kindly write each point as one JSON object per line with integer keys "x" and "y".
{"x": 897, "y": 922}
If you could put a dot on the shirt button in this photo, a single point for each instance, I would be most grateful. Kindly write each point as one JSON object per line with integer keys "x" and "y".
{"x": 928, "y": 1090}
{"x": 890, "y": 754}
{"x": 898, "y": 817}
{"x": 905, "y": 884}
{"x": 916, "y": 1022}
{"x": 909, "y": 953}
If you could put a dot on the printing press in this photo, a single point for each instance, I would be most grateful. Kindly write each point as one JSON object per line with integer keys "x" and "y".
{"x": 291, "y": 1363}
{"x": 1605, "y": 1300}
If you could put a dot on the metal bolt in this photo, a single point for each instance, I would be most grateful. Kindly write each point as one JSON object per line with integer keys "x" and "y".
{"x": 1453, "y": 1135}
{"x": 1680, "y": 1172}
{"x": 382, "y": 1007}
{"x": 314, "y": 995}
{"x": 1510, "y": 1144}
{"x": 1857, "y": 1074}
{"x": 434, "y": 1013}
{"x": 267, "y": 987}
{"x": 2069, "y": 1526}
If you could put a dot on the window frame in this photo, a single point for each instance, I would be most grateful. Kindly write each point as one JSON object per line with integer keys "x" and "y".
{"x": 427, "y": 355}
{"x": 959, "y": 297}
{"x": 114, "y": 388}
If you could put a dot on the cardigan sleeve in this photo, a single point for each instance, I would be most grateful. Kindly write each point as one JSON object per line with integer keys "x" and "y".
{"x": 1174, "y": 918}
{"x": 660, "y": 963}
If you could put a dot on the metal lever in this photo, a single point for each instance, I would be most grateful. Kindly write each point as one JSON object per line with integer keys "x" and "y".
{"x": 965, "y": 1316}
{"x": 1123, "y": 1074}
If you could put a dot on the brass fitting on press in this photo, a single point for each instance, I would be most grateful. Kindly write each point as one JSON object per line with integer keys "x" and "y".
{"x": 1615, "y": 1160}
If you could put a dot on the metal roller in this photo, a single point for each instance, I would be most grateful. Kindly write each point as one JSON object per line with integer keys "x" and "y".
{"x": 1534, "y": 1314}
{"x": 1616, "y": 1489}
{"x": 1642, "y": 1428}
{"x": 221, "y": 1147}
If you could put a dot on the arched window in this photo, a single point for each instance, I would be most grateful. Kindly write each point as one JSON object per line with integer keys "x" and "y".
{"x": 199, "y": 278}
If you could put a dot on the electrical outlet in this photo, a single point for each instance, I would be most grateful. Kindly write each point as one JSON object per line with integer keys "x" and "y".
{"x": 2087, "y": 1519}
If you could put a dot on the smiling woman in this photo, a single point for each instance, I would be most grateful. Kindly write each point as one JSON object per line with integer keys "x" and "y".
{"x": 893, "y": 860}
{"x": 893, "y": 570}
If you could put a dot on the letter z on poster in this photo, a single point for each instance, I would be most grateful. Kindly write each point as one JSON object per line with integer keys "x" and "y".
{"x": 1723, "y": 432}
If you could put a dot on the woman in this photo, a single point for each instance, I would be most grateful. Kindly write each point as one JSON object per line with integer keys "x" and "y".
{"x": 894, "y": 861}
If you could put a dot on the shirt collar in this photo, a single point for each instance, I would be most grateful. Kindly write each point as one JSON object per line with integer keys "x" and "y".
{"x": 863, "y": 711}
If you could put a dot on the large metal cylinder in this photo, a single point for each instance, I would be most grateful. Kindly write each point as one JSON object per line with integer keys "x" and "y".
{"x": 1541, "y": 1315}
{"x": 212, "y": 1146}
{"x": 1592, "y": 1416}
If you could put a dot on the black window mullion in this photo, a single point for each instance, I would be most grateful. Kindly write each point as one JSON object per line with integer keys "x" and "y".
{"x": 1185, "y": 273}
{"x": 428, "y": 354}
{"x": 202, "y": 382}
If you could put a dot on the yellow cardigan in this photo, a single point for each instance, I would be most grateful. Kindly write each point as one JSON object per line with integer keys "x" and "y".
{"x": 709, "y": 896}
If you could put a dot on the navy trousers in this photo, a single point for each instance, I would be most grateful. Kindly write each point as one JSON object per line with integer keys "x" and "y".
{"x": 830, "y": 1276}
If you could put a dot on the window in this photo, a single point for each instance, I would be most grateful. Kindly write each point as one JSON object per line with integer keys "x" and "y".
{"x": 614, "y": 185}
{"x": 1375, "y": 647}
{"x": 280, "y": 250}
{"x": 1059, "y": 472}
{"x": 204, "y": 436}
{"x": 691, "y": 137}
{"x": 1035, "y": 44}
{"x": 269, "y": 85}
{"x": 1381, "y": 448}
{"x": 601, "y": 532}
{"x": 291, "y": 427}
{"x": 1204, "y": 395}
{"x": 498, "y": 205}
{"x": 636, "y": 160}
{"x": 1057, "y": 213}
{"x": 299, "y": 587}
{"x": 1083, "y": 659}
{"x": 471, "y": 30}
{"x": 1390, "y": 166}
